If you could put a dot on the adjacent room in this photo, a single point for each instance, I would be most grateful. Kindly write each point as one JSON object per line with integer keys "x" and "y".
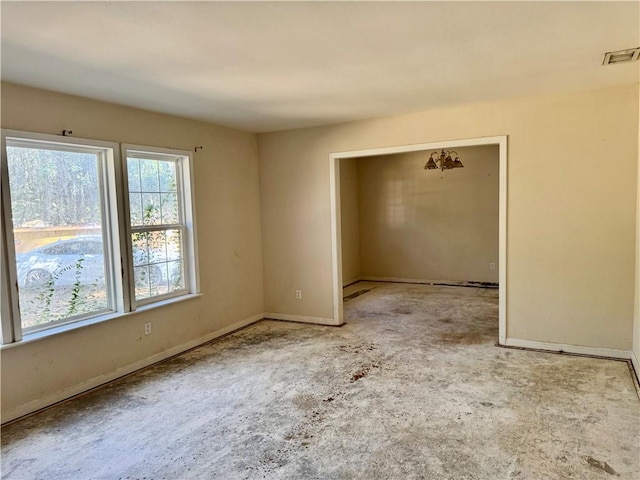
{"x": 319, "y": 240}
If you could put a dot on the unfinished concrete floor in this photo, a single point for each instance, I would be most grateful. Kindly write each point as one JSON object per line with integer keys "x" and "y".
{"x": 411, "y": 387}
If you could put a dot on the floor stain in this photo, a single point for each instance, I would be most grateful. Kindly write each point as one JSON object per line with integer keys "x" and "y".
{"x": 356, "y": 294}
{"x": 361, "y": 373}
{"x": 601, "y": 465}
{"x": 461, "y": 338}
{"x": 403, "y": 311}
{"x": 357, "y": 348}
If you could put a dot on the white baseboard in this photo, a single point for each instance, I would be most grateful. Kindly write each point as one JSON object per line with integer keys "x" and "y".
{"x": 412, "y": 280}
{"x": 300, "y": 318}
{"x": 636, "y": 365}
{"x": 82, "y": 387}
{"x": 400, "y": 280}
{"x": 561, "y": 347}
{"x": 351, "y": 282}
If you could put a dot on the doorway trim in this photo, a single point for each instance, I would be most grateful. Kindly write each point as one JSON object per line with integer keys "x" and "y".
{"x": 336, "y": 229}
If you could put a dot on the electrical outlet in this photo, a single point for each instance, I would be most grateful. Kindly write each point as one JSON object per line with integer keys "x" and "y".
{"x": 492, "y": 266}
{"x": 147, "y": 328}
{"x": 298, "y": 294}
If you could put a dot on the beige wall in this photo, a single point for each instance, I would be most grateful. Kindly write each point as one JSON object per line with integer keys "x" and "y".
{"x": 229, "y": 237}
{"x": 350, "y": 220}
{"x": 571, "y": 222}
{"x": 571, "y": 213}
{"x": 429, "y": 225}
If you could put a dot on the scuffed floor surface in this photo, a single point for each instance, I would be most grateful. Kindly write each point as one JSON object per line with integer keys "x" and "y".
{"x": 411, "y": 387}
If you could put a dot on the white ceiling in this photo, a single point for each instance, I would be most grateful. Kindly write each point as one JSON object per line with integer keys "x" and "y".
{"x": 263, "y": 66}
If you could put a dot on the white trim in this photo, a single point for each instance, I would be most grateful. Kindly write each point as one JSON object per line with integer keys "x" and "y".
{"x": 636, "y": 365}
{"x": 6, "y": 289}
{"x": 94, "y": 382}
{"x": 106, "y": 153}
{"x": 502, "y": 242}
{"x": 336, "y": 239}
{"x": 416, "y": 147}
{"x": 345, "y": 283}
{"x": 58, "y": 139}
{"x": 187, "y": 223}
{"x": 189, "y": 199}
{"x": 301, "y": 318}
{"x": 635, "y": 331}
{"x": 414, "y": 280}
{"x": 336, "y": 234}
{"x": 561, "y": 347}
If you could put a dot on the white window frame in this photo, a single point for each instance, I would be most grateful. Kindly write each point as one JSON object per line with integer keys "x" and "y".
{"x": 187, "y": 224}
{"x": 116, "y": 236}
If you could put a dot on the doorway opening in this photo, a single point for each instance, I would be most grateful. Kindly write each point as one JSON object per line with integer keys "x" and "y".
{"x": 340, "y": 160}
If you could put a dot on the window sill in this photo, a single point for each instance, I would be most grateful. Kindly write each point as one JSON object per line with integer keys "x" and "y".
{"x": 57, "y": 330}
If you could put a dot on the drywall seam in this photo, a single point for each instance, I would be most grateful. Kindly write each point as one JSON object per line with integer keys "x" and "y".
{"x": 82, "y": 387}
{"x": 300, "y": 318}
{"x": 561, "y": 347}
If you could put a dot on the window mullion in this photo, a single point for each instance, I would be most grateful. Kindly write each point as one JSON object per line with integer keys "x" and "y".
{"x": 126, "y": 257}
{"x": 155, "y": 228}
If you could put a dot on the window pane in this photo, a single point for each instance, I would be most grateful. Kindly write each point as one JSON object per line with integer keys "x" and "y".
{"x": 57, "y": 206}
{"x": 135, "y": 208}
{"x": 151, "y": 214}
{"x": 157, "y": 247}
{"x": 139, "y": 243}
{"x": 174, "y": 244}
{"x": 176, "y": 277}
{"x": 168, "y": 182}
{"x": 133, "y": 171}
{"x": 149, "y": 176}
{"x": 141, "y": 275}
{"x": 169, "y": 207}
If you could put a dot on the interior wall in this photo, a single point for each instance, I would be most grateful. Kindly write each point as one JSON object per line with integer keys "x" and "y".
{"x": 229, "y": 237}
{"x": 350, "y": 220}
{"x": 430, "y": 225}
{"x": 570, "y": 219}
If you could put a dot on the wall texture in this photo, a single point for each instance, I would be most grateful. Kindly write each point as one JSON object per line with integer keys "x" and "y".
{"x": 350, "y": 220}
{"x": 228, "y": 219}
{"x": 570, "y": 221}
{"x": 429, "y": 225}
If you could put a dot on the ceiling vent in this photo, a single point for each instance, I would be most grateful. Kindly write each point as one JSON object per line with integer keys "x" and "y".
{"x": 621, "y": 56}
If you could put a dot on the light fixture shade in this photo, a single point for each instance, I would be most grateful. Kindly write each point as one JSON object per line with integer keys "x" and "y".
{"x": 448, "y": 162}
{"x": 457, "y": 163}
{"x": 430, "y": 164}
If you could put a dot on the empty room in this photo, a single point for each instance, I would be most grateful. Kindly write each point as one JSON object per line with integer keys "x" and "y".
{"x": 320, "y": 240}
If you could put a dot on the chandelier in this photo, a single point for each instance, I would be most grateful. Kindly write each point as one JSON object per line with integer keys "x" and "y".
{"x": 443, "y": 161}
